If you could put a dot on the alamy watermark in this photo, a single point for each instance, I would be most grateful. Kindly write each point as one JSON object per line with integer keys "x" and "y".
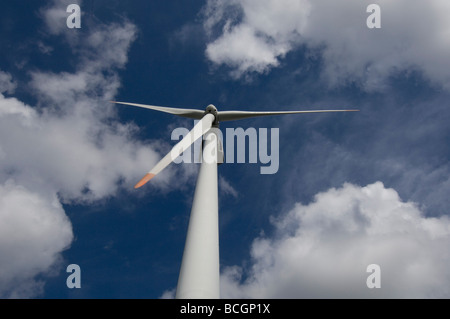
{"x": 236, "y": 146}
{"x": 74, "y": 279}
{"x": 374, "y": 279}
{"x": 74, "y": 19}
{"x": 373, "y": 20}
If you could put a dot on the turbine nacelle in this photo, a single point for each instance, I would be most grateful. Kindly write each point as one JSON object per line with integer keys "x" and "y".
{"x": 211, "y": 109}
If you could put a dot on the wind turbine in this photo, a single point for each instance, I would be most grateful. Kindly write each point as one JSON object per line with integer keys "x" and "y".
{"x": 199, "y": 272}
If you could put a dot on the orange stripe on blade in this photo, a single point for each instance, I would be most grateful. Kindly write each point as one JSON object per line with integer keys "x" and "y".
{"x": 144, "y": 180}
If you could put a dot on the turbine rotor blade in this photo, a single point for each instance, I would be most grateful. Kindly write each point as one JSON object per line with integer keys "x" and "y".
{"x": 189, "y": 113}
{"x": 203, "y": 126}
{"x": 239, "y": 115}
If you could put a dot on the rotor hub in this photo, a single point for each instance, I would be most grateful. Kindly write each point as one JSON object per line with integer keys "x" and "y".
{"x": 211, "y": 109}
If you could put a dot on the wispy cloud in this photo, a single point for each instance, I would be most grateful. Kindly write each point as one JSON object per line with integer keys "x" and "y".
{"x": 6, "y": 83}
{"x": 226, "y": 188}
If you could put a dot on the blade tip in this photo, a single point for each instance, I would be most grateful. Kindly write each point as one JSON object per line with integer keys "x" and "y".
{"x": 144, "y": 180}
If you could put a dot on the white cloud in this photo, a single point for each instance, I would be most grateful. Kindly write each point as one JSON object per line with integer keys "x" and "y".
{"x": 33, "y": 231}
{"x": 244, "y": 52}
{"x": 69, "y": 148}
{"x": 254, "y": 36}
{"x": 260, "y": 40}
{"x": 75, "y": 154}
{"x": 71, "y": 144}
{"x": 322, "y": 250}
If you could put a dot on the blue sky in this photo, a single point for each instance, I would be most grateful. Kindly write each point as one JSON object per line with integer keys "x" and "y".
{"x": 351, "y": 190}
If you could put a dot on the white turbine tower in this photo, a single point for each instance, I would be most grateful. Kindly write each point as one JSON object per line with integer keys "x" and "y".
{"x": 199, "y": 273}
